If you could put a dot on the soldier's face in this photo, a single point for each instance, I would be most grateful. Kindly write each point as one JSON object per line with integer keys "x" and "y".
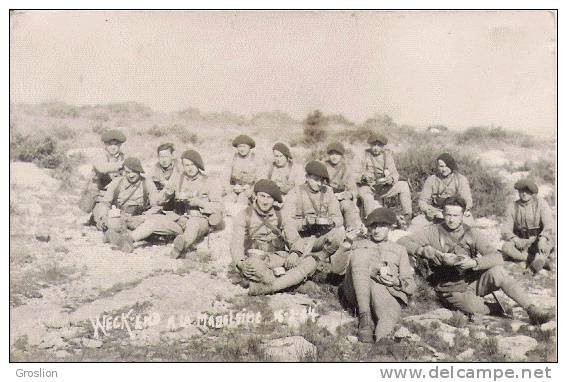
{"x": 132, "y": 176}
{"x": 453, "y": 216}
{"x": 280, "y": 160}
{"x": 314, "y": 182}
{"x": 243, "y": 149}
{"x": 335, "y": 158}
{"x": 379, "y": 233}
{"x": 525, "y": 195}
{"x": 189, "y": 168}
{"x": 376, "y": 148}
{"x": 264, "y": 201}
{"x": 113, "y": 147}
{"x": 165, "y": 158}
{"x": 442, "y": 168}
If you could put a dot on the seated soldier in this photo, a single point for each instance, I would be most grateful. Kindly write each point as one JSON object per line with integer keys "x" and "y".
{"x": 528, "y": 228}
{"x": 197, "y": 207}
{"x": 164, "y": 168}
{"x": 344, "y": 187}
{"x": 445, "y": 183}
{"x": 266, "y": 249}
{"x": 464, "y": 267}
{"x": 378, "y": 277}
{"x": 124, "y": 201}
{"x": 107, "y": 167}
{"x": 244, "y": 169}
{"x": 282, "y": 170}
{"x": 315, "y": 213}
{"x": 379, "y": 178}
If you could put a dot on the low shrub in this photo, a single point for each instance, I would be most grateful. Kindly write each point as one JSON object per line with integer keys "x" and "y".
{"x": 314, "y": 128}
{"x": 41, "y": 150}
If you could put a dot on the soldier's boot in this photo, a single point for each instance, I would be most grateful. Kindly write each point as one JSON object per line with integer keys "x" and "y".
{"x": 126, "y": 243}
{"x": 365, "y": 328}
{"x": 538, "y": 316}
{"x": 537, "y": 263}
{"x": 291, "y": 278}
{"x": 178, "y": 250}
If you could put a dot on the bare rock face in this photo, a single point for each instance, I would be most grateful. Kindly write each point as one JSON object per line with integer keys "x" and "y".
{"x": 465, "y": 355}
{"x": 331, "y": 321}
{"x": 515, "y": 348}
{"x": 290, "y": 349}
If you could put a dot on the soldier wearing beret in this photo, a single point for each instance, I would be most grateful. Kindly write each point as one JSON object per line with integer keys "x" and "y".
{"x": 315, "y": 212}
{"x": 464, "y": 267}
{"x": 378, "y": 177}
{"x": 379, "y": 278}
{"x": 124, "y": 201}
{"x": 447, "y": 182}
{"x": 344, "y": 186}
{"x": 265, "y": 247}
{"x": 528, "y": 228}
{"x": 105, "y": 168}
{"x": 164, "y": 168}
{"x": 197, "y": 207}
{"x": 281, "y": 170}
{"x": 244, "y": 169}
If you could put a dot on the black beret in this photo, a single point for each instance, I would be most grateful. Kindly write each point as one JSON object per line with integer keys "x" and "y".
{"x": 526, "y": 184}
{"x": 194, "y": 157}
{"x": 270, "y": 188}
{"x": 448, "y": 160}
{"x": 377, "y": 138}
{"x": 282, "y": 148}
{"x": 381, "y": 215}
{"x": 455, "y": 201}
{"x": 244, "y": 139}
{"x": 336, "y": 146}
{"x": 317, "y": 168}
{"x": 166, "y": 146}
{"x": 113, "y": 135}
{"x": 133, "y": 164}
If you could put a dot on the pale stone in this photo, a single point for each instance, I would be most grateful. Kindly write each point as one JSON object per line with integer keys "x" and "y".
{"x": 290, "y": 349}
{"x": 515, "y": 348}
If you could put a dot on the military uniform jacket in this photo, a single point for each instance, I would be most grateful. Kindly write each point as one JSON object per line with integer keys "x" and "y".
{"x": 107, "y": 168}
{"x": 256, "y": 229}
{"x": 374, "y": 167}
{"x": 340, "y": 177}
{"x": 132, "y": 198}
{"x": 200, "y": 190}
{"x": 395, "y": 257}
{"x": 284, "y": 177}
{"x": 302, "y": 201}
{"x": 437, "y": 189}
{"x": 244, "y": 170}
{"x": 528, "y": 219}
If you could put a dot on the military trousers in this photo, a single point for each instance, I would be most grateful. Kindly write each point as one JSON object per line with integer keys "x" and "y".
{"x": 369, "y": 195}
{"x": 158, "y": 224}
{"x": 328, "y": 242}
{"x": 529, "y": 252}
{"x": 351, "y": 214}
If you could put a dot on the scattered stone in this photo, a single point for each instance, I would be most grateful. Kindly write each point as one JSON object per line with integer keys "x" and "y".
{"x": 516, "y": 325}
{"x": 466, "y": 355}
{"x": 62, "y": 354}
{"x": 91, "y": 343}
{"x": 404, "y": 333}
{"x": 52, "y": 340}
{"x": 352, "y": 339}
{"x": 439, "y": 314}
{"x": 548, "y": 326}
{"x": 70, "y": 332}
{"x": 447, "y": 337}
{"x": 333, "y": 320}
{"x": 57, "y": 322}
{"x": 515, "y": 348}
{"x": 479, "y": 336}
{"x": 290, "y": 349}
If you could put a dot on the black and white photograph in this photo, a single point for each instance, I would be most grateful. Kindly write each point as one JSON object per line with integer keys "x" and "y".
{"x": 283, "y": 186}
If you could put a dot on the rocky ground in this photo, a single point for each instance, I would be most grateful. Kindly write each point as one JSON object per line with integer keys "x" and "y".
{"x": 75, "y": 299}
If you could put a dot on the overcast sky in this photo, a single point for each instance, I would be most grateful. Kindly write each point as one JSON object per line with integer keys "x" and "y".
{"x": 458, "y": 69}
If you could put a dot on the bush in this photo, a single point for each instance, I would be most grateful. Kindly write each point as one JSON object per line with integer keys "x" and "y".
{"x": 41, "y": 150}
{"x": 314, "y": 128}
{"x": 64, "y": 132}
{"x": 542, "y": 169}
{"x": 179, "y": 131}
{"x": 488, "y": 190}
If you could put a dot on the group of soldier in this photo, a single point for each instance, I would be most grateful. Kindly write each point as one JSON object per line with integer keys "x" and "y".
{"x": 328, "y": 215}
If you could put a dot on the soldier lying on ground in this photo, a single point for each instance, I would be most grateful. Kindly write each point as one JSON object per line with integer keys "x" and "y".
{"x": 164, "y": 168}
{"x": 197, "y": 208}
{"x": 265, "y": 245}
{"x": 528, "y": 228}
{"x": 244, "y": 169}
{"x": 315, "y": 213}
{"x": 105, "y": 169}
{"x": 378, "y": 278}
{"x": 124, "y": 201}
{"x": 447, "y": 182}
{"x": 464, "y": 267}
{"x": 343, "y": 185}
{"x": 281, "y": 170}
{"x": 378, "y": 177}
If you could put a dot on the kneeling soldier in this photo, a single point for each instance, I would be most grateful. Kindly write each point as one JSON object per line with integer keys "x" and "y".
{"x": 465, "y": 267}
{"x": 282, "y": 170}
{"x": 265, "y": 245}
{"x": 197, "y": 207}
{"x": 344, "y": 187}
{"x": 379, "y": 178}
{"x": 315, "y": 212}
{"x": 528, "y": 228}
{"x": 379, "y": 277}
{"x": 125, "y": 199}
{"x": 244, "y": 169}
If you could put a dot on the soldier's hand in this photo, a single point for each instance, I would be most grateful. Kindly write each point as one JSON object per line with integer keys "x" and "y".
{"x": 520, "y": 243}
{"x": 544, "y": 246}
{"x": 432, "y": 254}
{"x": 388, "y": 280}
{"x": 466, "y": 263}
{"x": 255, "y": 253}
{"x": 291, "y": 261}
